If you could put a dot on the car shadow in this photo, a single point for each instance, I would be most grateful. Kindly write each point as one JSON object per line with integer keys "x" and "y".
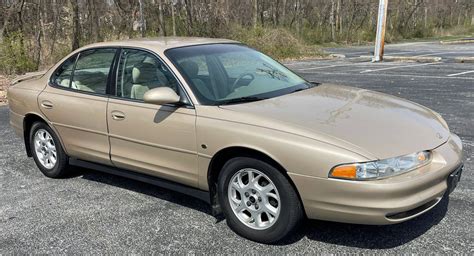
{"x": 162, "y": 113}
{"x": 371, "y": 237}
{"x": 352, "y": 235}
{"x": 145, "y": 188}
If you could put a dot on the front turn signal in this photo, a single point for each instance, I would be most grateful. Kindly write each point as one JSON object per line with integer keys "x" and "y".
{"x": 344, "y": 172}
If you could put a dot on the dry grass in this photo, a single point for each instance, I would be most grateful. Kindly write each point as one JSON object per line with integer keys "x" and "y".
{"x": 279, "y": 43}
{"x": 4, "y": 83}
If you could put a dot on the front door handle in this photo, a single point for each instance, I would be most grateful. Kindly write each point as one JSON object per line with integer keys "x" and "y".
{"x": 47, "y": 104}
{"x": 117, "y": 115}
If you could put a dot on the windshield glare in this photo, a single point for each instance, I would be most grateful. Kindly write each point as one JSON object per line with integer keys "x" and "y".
{"x": 226, "y": 73}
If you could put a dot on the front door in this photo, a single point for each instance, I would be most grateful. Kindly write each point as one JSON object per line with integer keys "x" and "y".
{"x": 75, "y": 103}
{"x": 159, "y": 140}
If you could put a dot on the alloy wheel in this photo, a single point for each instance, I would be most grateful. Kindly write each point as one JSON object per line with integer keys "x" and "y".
{"x": 254, "y": 199}
{"x": 45, "y": 149}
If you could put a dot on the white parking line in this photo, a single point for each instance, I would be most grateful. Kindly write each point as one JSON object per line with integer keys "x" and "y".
{"x": 396, "y": 53}
{"x": 395, "y": 75}
{"x": 405, "y": 66}
{"x": 356, "y": 65}
{"x": 357, "y": 53}
{"x": 321, "y": 61}
{"x": 462, "y": 73}
{"x": 323, "y": 67}
{"x": 436, "y": 53}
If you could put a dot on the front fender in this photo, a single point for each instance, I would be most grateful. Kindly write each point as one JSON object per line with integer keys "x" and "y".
{"x": 295, "y": 153}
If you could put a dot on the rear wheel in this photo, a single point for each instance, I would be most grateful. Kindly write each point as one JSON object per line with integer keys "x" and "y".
{"x": 47, "y": 151}
{"x": 258, "y": 201}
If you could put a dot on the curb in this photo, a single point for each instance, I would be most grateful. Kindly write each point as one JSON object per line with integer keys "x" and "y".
{"x": 389, "y": 58}
{"x": 463, "y": 41}
{"x": 464, "y": 59}
{"x": 337, "y": 56}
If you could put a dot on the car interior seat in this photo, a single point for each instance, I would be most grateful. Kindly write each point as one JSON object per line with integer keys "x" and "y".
{"x": 75, "y": 85}
{"x": 192, "y": 69}
{"x": 145, "y": 76}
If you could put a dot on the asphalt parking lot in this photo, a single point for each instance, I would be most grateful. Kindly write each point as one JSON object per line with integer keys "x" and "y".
{"x": 449, "y": 52}
{"x": 91, "y": 212}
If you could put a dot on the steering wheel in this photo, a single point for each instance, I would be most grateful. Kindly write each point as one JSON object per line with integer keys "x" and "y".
{"x": 236, "y": 82}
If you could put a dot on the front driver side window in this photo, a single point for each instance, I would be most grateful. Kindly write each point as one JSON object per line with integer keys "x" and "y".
{"x": 139, "y": 72}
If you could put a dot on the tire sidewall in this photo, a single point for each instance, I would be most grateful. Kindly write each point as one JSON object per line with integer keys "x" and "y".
{"x": 279, "y": 229}
{"x": 57, "y": 170}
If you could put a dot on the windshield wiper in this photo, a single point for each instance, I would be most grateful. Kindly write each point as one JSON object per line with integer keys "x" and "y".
{"x": 310, "y": 85}
{"x": 298, "y": 90}
{"x": 242, "y": 100}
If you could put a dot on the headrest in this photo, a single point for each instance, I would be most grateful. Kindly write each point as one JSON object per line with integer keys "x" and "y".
{"x": 190, "y": 68}
{"x": 143, "y": 73}
{"x": 149, "y": 60}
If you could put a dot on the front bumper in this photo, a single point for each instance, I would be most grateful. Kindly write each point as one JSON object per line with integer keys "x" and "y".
{"x": 386, "y": 201}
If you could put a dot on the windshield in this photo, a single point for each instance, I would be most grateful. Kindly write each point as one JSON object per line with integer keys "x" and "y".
{"x": 233, "y": 73}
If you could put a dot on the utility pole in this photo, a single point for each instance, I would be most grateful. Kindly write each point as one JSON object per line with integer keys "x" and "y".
{"x": 381, "y": 27}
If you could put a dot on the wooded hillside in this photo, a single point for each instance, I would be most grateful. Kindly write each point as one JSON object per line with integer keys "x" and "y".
{"x": 36, "y": 33}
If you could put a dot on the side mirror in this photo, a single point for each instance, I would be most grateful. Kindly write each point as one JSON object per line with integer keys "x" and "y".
{"x": 161, "y": 96}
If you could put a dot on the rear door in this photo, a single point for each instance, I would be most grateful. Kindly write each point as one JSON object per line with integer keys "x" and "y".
{"x": 159, "y": 140}
{"x": 75, "y": 103}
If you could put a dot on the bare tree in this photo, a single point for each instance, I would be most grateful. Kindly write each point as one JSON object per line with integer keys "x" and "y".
{"x": 76, "y": 29}
{"x": 29, "y": 27}
{"x": 255, "y": 13}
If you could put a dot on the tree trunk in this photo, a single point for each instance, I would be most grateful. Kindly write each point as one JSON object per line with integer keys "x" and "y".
{"x": 38, "y": 47}
{"x": 22, "y": 31}
{"x": 76, "y": 30}
{"x": 55, "y": 26}
{"x": 255, "y": 13}
{"x": 283, "y": 12}
{"x": 426, "y": 16}
{"x": 275, "y": 13}
{"x": 39, "y": 34}
{"x": 371, "y": 15}
{"x": 298, "y": 17}
{"x": 338, "y": 11}
{"x": 331, "y": 20}
{"x": 415, "y": 14}
{"x": 6, "y": 20}
{"x": 189, "y": 13}
{"x": 173, "y": 18}
{"x": 162, "y": 31}
{"x": 94, "y": 21}
{"x": 341, "y": 18}
{"x": 142, "y": 17}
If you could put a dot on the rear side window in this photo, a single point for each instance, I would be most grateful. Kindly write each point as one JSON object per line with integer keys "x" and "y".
{"x": 62, "y": 75}
{"x": 92, "y": 70}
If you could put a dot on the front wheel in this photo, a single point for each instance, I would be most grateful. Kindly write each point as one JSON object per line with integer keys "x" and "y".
{"x": 258, "y": 200}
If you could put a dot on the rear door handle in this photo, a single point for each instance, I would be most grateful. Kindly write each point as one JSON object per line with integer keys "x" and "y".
{"x": 47, "y": 104}
{"x": 117, "y": 115}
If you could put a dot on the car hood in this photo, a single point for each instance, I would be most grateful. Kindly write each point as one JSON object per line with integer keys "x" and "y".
{"x": 372, "y": 124}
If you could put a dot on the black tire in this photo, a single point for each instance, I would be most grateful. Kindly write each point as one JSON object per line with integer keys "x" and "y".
{"x": 291, "y": 212}
{"x": 60, "y": 168}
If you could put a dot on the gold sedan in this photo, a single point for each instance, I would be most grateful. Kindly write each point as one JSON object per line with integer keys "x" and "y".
{"x": 227, "y": 124}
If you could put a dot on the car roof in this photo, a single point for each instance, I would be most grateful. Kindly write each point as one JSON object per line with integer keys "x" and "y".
{"x": 160, "y": 44}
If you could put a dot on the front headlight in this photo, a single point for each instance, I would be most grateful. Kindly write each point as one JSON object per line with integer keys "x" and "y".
{"x": 381, "y": 168}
